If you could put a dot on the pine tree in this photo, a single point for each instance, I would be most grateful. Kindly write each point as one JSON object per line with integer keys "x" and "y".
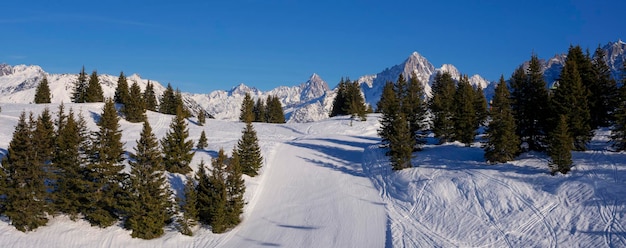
{"x": 340, "y": 103}
{"x": 104, "y": 168}
{"x": 480, "y": 106}
{"x": 148, "y": 214}
{"x": 414, "y": 107}
{"x": 80, "y": 87}
{"x": 189, "y": 217}
{"x": 247, "y": 109}
{"x": 465, "y": 120}
{"x": 274, "y": 110}
{"x": 218, "y": 194}
{"x": 618, "y": 131}
{"x": 149, "y": 97}
{"x": 389, "y": 106}
{"x": 134, "y": 110}
{"x": 502, "y": 143}
{"x": 235, "y": 188}
{"x": 530, "y": 104}
{"x": 202, "y": 142}
{"x": 42, "y": 93}
{"x": 203, "y": 194}
{"x": 177, "y": 150}
{"x": 355, "y": 101}
{"x": 167, "y": 103}
{"x": 25, "y": 192}
{"x": 122, "y": 94}
{"x": 570, "y": 99}
{"x": 442, "y": 107}
{"x": 43, "y": 142}
{"x": 260, "y": 111}
{"x": 604, "y": 94}
{"x": 201, "y": 118}
{"x": 93, "y": 93}
{"x": 249, "y": 151}
{"x": 178, "y": 100}
{"x": 401, "y": 145}
{"x": 560, "y": 146}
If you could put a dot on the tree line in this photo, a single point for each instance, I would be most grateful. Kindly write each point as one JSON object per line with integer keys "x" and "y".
{"x": 524, "y": 115}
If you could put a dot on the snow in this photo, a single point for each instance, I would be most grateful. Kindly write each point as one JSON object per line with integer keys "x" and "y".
{"x": 328, "y": 184}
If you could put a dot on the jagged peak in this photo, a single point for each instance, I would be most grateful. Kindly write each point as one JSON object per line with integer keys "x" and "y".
{"x": 242, "y": 89}
{"x": 315, "y": 78}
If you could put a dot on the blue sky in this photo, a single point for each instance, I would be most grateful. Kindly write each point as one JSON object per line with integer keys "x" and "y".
{"x": 201, "y": 46}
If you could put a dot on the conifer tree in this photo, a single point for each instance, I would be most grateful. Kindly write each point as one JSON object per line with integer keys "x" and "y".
{"x": 42, "y": 93}
{"x": 80, "y": 87}
{"x": 202, "y": 142}
{"x": 530, "y": 104}
{"x": 203, "y": 195}
{"x": 340, "y": 103}
{"x": 355, "y": 102}
{"x": 389, "y": 106}
{"x": 247, "y": 109}
{"x": 480, "y": 106}
{"x": 465, "y": 120}
{"x": 189, "y": 217}
{"x": 25, "y": 192}
{"x": 502, "y": 143}
{"x": 149, "y": 97}
{"x": 148, "y": 212}
{"x": 104, "y": 168}
{"x": 414, "y": 107}
{"x": 618, "y": 130}
{"x": 218, "y": 194}
{"x": 43, "y": 142}
{"x": 134, "y": 110}
{"x": 122, "y": 94}
{"x": 167, "y": 104}
{"x": 201, "y": 118}
{"x": 249, "y": 151}
{"x": 442, "y": 107}
{"x": 177, "y": 150}
{"x": 93, "y": 93}
{"x": 235, "y": 188}
{"x": 260, "y": 111}
{"x": 604, "y": 94}
{"x": 178, "y": 99}
{"x": 560, "y": 146}
{"x": 274, "y": 110}
{"x": 401, "y": 146}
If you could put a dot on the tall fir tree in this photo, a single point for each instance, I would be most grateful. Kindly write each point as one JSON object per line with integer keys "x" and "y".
{"x": 80, "y": 87}
{"x": 189, "y": 218}
{"x": 260, "y": 110}
{"x": 94, "y": 93}
{"x": 177, "y": 149}
{"x": 502, "y": 143}
{"x": 465, "y": 119}
{"x": 104, "y": 169}
{"x": 202, "y": 141}
{"x": 401, "y": 145}
{"x": 341, "y": 99}
{"x": 203, "y": 195}
{"x": 249, "y": 151}
{"x": 247, "y": 109}
{"x": 42, "y": 93}
{"x": 442, "y": 107}
{"x": 570, "y": 99}
{"x": 218, "y": 194}
{"x": 604, "y": 94}
{"x": 560, "y": 146}
{"x": 530, "y": 105}
{"x": 274, "y": 112}
{"x": 201, "y": 118}
{"x": 122, "y": 93}
{"x": 25, "y": 193}
{"x": 168, "y": 102}
{"x": 480, "y": 106}
{"x": 134, "y": 109}
{"x": 149, "y": 210}
{"x": 414, "y": 107}
{"x": 149, "y": 97}
{"x": 389, "y": 106}
{"x": 235, "y": 188}
{"x": 618, "y": 130}
{"x": 43, "y": 141}
{"x": 355, "y": 101}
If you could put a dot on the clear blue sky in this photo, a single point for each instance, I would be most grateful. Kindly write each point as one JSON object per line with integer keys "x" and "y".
{"x": 201, "y": 46}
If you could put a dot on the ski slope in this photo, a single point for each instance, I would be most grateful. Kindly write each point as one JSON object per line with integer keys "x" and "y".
{"x": 328, "y": 184}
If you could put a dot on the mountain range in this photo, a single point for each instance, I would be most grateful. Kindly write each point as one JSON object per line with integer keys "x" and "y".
{"x": 305, "y": 102}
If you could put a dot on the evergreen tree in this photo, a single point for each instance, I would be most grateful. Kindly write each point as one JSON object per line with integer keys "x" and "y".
{"x": 355, "y": 101}
{"x": 25, "y": 192}
{"x": 148, "y": 213}
{"x": 442, "y": 107}
{"x": 401, "y": 145}
{"x": 202, "y": 142}
{"x": 618, "y": 131}
{"x": 247, "y": 109}
{"x": 249, "y": 151}
{"x": 104, "y": 168}
{"x": 260, "y": 111}
{"x": 604, "y": 94}
{"x": 135, "y": 110}
{"x": 389, "y": 106}
{"x": 570, "y": 99}
{"x": 80, "y": 87}
{"x": 274, "y": 110}
{"x": 149, "y": 97}
{"x": 168, "y": 100}
{"x": 43, "y": 142}
{"x": 201, "y": 118}
{"x": 42, "y": 93}
{"x": 560, "y": 146}
{"x": 235, "y": 188}
{"x": 93, "y": 93}
{"x": 502, "y": 142}
{"x": 203, "y": 194}
{"x": 414, "y": 107}
{"x": 177, "y": 150}
{"x": 340, "y": 103}
{"x": 480, "y": 106}
{"x": 530, "y": 104}
{"x": 218, "y": 194}
{"x": 465, "y": 120}
{"x": 189, "y": 218}
{"x": 178, "y": 99}
{"x": 122, "y": 94}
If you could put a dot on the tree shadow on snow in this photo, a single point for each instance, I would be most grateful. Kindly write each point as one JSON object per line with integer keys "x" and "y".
{"x": 343, "y": 160}
{"x": 211, "y": 153}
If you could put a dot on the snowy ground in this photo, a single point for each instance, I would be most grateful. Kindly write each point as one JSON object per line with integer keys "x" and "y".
{"x": 327, "y": 184}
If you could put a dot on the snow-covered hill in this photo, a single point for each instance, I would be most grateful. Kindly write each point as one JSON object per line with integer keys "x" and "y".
{"x": 328, "y": 184}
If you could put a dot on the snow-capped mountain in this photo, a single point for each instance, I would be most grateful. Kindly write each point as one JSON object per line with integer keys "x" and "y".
{"x": 372, "y": 85}
{"x": 18, "y": 84}
{"x": 302, "y": 103}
